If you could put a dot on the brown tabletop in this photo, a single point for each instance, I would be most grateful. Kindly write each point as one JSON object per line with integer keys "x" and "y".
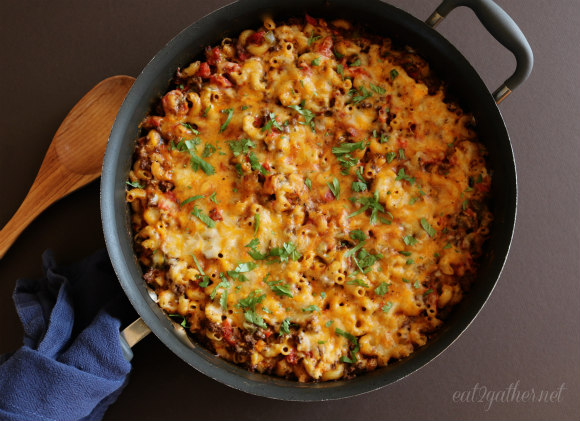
{"x": 527, "y": 337}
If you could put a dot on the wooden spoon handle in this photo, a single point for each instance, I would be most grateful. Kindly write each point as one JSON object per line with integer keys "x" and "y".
{"x": 45, "y": 190}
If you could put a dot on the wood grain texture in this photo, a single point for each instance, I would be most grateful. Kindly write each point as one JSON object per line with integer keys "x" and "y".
{"x": 75, "y": 155}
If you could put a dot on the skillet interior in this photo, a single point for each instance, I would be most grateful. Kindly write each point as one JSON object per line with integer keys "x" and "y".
{"x": 381, "y": 19}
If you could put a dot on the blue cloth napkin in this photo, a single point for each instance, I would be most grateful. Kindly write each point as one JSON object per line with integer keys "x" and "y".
{"x": 71, "y": 366}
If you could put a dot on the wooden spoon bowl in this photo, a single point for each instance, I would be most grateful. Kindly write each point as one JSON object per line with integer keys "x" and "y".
{"x": 75, "y": 156}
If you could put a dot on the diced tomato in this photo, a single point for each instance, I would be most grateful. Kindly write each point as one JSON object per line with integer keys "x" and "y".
{"x": 310, "y": 20}
{"x": 357, "y": 71}
{"x": 171, "y": 196}
{"x": 204, "y": 70}
{"x": 483, "y": 187}
{"x": 243, "y": 54}
{"x": 228, "y": 333}
{"x": 256, "y": 37}
{"x": 402, "y": 143}
{"x": 292, "y": 358}
{"x": 324, "y": 47}
{"x": 216, "y": 214}
{"x": 328, "y": 196}
{"x": 268, "y": 333}
{"x": 213, "y": 55}
{"x": 354, "y": 132}
{"x": 220, "y": 80}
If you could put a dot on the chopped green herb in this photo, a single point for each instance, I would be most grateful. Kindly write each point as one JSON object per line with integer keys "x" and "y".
{"x": 313, "y": 38}
{"x": 382, "y": 289}
{"x": 315, "y": 62}
{"x": 334, "y": 187}
{"x": 384, "y": 138}
{"x": 349, "y": 147}
{"x": 249, "y": 305}
{"x": 394, "y": 74}
{"x": 409, "y": 240}
{"x": 405, "y": 253}
{"x": 197, "y": 162}
{"x": 391, "y": 156}
{"x": 358, "y": 282}
{"x": 363, "y": 94}
{"x": 358, "y": 235}
{"x": 337, "y": 54}
{"x": 323, "y": 295}
{"x": 280, "y": 289}
{"x": 285, "y": 327}
{"x": 224, "y": 300}
{"x": 447, "y": 246}
{"x": 428, "y": 228}
{"x": 188, "y": 127}
{"x": 378, "y": 89}
{"x": 213, "y": 198}
{"x": 402, "y": 176}
{"x": 223, "y": 284}
{"x": 135, "y": 184}
{"x": 406, "y": 280}
{"x": 272, "y": 122}
{"x": 206, "y": 110}
{"x": 307, "y": 114}
{"x": 255, "y": 164}
{"x": 181, "y": 319}
{"x": 329, "y": 323}
{"x": 230, "y": 113}
{"x": 256, "y": 223}
{"x": 402, "y": 154}
{"x": 191, "y": 199}
{"x": 355, "y": 63}
{"x": 368, "y": 203}
{"x": 203, "y": 217}
{"x": 288, "y": 250}
{"x": 410, "y": 261}
{"x": 308, "y": 183}
{"x": 387, "y": 306}
{"x": 354, "y": 341}
{"x": 244, "y": 107}
{"x": 465, "y": 204}
{"x": 340, "y": 70}
{"x": 208, "y": 150}
{"x": 240, "y": 147}
{"x": 429, "y": 291}
{"x": 310, "y": 309}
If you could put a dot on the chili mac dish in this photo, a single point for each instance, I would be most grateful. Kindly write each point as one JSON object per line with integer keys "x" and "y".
{"x": 307, "y": 201}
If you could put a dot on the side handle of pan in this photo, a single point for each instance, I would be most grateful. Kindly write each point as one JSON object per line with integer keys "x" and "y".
{"x": 502, "y": 27}
{"x": 131, "y": 335}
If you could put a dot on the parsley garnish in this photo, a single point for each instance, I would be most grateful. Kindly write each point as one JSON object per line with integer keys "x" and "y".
{"x": 285, "y": 328}
{"x": 378, "y": 89}
{"x": 353, "y": 340}
{"x": 313, "y": 38}
{"x": 310, "y": 309}
{"x": 208, "y": 150}
{"x": 256, "y": 223}
{"x": 223, "y": 284}
{"x": 135, "y": 184}
{"x": 271, "y": 123}
{"x": 203, "y": 217}
{"x": 428, "y": 228}
{"x": 255, "y": 164}
{"x": 368, "y": 203}
{"x": 382, "y": 289}
{"x": 334, "y": 187}
{"x": 402, "y": 154}
{"x": 240, "y": 147}
{"x": 315, "y": 62}
{"x": 355, "y": 63}
{"x": 230, "y": 113}
{"x": 191, "y": 199}
{"x": 188, "y": 127}
{"x": 308, "y": 183}
{"x": 249, "y": 305}
{"x": 387, "y": 306}
{"x": 345, "y": 148}
{"x": 287, "y": 251}
{"x": 358, "y": 235}
{"x": 183, "y": 322}
{"x": 340, "y": 70}
{"x": 394, "y": 74}
{"x": 409, "y": 240}
{"x": 363, "y": 94}
{"x": 358, "y": 282}
{"x": 391, "y": 156}
{"x": 197, "y": 162}
{"x": 402, "y": 176}
{"x": 307, "y": 114}
{"x": 213, "y": 198}
{"x": 280, "y": 289}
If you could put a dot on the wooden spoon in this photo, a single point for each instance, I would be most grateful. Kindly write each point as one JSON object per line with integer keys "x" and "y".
{"x": 75, "y": 155}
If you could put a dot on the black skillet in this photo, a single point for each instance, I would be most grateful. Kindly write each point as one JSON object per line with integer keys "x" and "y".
{"x": 381, "y": 19}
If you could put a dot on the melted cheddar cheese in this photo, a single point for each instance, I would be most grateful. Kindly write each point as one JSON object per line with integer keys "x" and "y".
{"x": 307, "y": 202}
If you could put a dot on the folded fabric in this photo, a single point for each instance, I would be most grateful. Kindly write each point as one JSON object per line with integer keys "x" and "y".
{"x": 71, "y": 366}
